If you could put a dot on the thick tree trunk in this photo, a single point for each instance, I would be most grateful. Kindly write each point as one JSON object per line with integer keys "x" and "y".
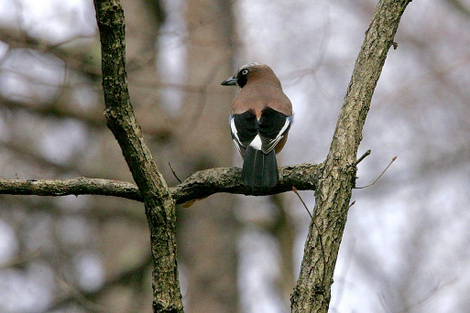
{"x": 159, "y": 205}
{"x": 338, "y": 172}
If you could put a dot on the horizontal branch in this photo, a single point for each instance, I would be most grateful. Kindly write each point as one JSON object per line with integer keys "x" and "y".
{"x": 229, "y": 180}
{"x": 66, "y": 187}
{"x": 199, "y": 185}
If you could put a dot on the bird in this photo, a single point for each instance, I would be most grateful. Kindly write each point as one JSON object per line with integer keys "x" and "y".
{"x": 260, "y": 121}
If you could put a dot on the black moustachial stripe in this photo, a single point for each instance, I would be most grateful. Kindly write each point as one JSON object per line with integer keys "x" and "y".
{"x": 241, "y": 80}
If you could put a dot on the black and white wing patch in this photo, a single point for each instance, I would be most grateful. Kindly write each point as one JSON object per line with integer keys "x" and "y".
{"x": 263, "y": 134}
{"x": 244, "y": 129}
{"x": 272, "y": 126}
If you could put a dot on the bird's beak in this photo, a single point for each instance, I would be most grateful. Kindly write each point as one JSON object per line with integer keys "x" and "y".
{"x": 230, "y": 81}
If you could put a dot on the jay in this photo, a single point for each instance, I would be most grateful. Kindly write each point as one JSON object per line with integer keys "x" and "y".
{"x": 260, "y": 121}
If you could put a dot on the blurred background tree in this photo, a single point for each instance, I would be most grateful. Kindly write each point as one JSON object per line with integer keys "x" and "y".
{"x": 404, "y": 249}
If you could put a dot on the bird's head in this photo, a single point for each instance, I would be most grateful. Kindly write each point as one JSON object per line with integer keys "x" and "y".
{"x": 245, "y": 72}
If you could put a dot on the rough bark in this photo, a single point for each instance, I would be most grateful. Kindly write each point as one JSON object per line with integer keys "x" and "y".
{"x": 338, "y": 172}
{"x": 199, "y": 185}
{"x": 159, "y": 205}
{"x": 73, "y": 186}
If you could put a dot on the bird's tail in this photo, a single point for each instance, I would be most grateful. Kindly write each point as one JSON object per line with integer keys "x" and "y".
{"x": 259, "y": 169}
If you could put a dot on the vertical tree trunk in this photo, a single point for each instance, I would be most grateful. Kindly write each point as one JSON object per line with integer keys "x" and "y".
{"x": 337, "y": 178}
{"x": 159, "y": 205}
{"x": 142, "y": 26}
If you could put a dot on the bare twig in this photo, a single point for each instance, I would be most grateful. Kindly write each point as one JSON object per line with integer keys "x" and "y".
{"x": 302, "y": 200}
{"x": 378, "y": 177}
{"x": 366, "y": 154}
{"x": 342, "y": 215}
{"x": 319, "y": 232}
{"x": 174, "y": 173}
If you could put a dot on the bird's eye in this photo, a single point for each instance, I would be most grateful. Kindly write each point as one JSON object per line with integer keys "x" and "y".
{"x": 245, "y": 72}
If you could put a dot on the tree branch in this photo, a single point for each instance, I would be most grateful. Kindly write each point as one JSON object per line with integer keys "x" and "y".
{"x": 199, "y": 185}
{"x": 74, "y": 186}
{"x": 228, "y": 179}
{"x": 338, "y": 173}
{"x": 119, "y": 113}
